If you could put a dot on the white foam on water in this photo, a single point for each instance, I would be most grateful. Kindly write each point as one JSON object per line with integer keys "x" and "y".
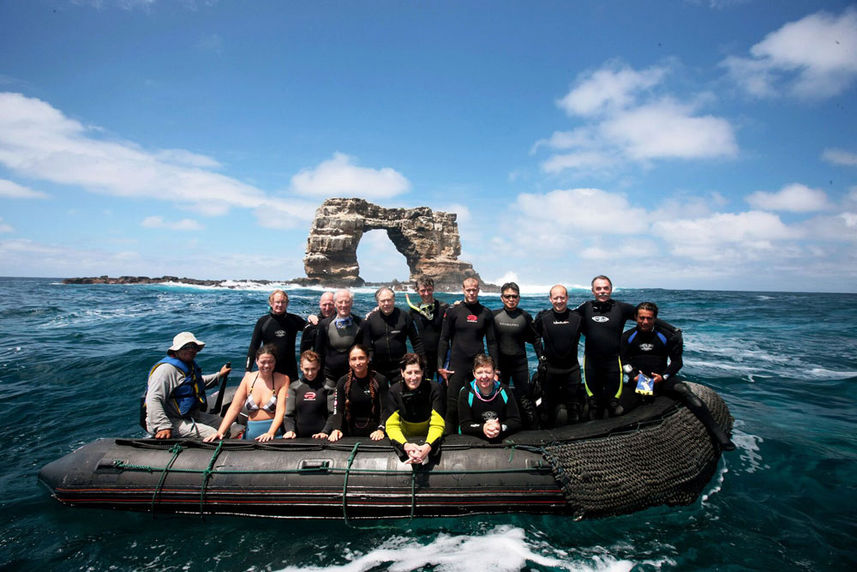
{"x": 503, "y": 549}
{"x": 716, "y": 485}
{"x": 748, "y": 446}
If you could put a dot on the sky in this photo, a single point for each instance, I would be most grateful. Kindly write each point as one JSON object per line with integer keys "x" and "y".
{"x": 682, "y": 144}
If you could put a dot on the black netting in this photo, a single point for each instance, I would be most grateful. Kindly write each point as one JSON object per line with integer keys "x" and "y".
{"x": 664, "y": 463}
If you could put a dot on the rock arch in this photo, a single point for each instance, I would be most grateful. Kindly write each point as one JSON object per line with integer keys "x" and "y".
{"x": 428, "y": 240}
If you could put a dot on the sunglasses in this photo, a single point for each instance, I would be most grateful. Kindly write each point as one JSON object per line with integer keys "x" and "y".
{"x": 511, "y": 296}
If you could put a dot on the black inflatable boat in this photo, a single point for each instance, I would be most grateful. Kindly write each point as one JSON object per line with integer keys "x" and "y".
{"x": 658, "y": 453}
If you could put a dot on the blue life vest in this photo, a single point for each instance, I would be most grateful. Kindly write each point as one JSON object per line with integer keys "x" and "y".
{"x": 661, "y": 337}
{"x": 190, "y": 395}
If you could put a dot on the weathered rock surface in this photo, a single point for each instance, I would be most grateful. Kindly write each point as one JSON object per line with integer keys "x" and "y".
{"x": 428, "y": 240}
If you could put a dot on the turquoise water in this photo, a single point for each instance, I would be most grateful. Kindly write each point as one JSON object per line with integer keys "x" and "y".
{"x": 73, "y": 361}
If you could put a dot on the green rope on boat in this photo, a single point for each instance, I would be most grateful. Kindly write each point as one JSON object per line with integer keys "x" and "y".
{"x": 207, "y": 475}
{"x": 345, "y": 482}
{"x": 413, "y": 493}
{"x": 175, "y": 450}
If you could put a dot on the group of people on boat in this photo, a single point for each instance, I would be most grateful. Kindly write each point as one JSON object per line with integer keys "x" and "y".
{"x": 359, "y": 378}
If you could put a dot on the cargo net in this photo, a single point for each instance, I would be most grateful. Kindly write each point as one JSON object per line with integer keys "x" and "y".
{"x": 666, "y": 462}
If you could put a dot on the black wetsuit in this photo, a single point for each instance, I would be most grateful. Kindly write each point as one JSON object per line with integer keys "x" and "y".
{"x": 603, "y": 324}
{"x": 560, "y": 375}
{"x": 413, "y": 413}
{"x": 308, "y": 406}
{"x": 358, "y": 414}
{"x": 464, "y": 327}
{"x": 512, "y": 330}
{"x": 386, "y": 337}
{"x": 659, "y": 352}
{"x": 280, "y": 330}
{"x": 429, "y": 325}
{"x": 333, "y": 342}
{"x": 309, "y": 334}
{"x": 475, "y": 409}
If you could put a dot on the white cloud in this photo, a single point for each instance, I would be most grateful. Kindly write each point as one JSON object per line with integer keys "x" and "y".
{"x": 840, "y": 157}
{"x": 614, "y": 86}
{"x": 624, "y": 250}
{"x": 725, "y": 237}
{"x": 286, "y": 214}
{"x": 12, "y": 190}
{"x": 461, "y": 211}
{"x": 339, "y": 177}
{"x": 159, "y": 222}
{"x": 627, "y": 123}
{"x": 562, "y": 218}
{"x": 37, "y": 140}
{"x": 841, "y": 227}
{"x": 582, "y": 160}
{"x": 667, "y": 129}
{"x": 813, "y": 57}
{"x": 5, "y": 227}
{"x": 792, "y": 198}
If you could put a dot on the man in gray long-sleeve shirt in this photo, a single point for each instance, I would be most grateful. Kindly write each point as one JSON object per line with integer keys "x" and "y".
{"x": 175, "y": 398}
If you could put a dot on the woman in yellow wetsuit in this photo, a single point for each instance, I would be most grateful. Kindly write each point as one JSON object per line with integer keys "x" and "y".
{"x": 415, "y": 427}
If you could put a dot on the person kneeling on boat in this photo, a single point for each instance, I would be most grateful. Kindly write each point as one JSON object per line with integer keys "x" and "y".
{"x": 652, "y": 355}
{"x": 264, "y": 394}
{"x": 310, "y": 401}
{"x": 415, "y": 427}
{"x": 359, "y": 408}
{"x": 486, "y": 408}
{"x": 175, "y": 396}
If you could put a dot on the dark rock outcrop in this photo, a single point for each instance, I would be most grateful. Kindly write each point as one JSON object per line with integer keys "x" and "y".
{"x": 428, "y": 240}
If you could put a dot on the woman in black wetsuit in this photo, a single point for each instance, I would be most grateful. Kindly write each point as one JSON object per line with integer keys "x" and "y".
{"x": 485, "y": 407}
{"x": 309, "y": 401}
{"x": 359, "y": 408}
{"x": 415, "y": 425}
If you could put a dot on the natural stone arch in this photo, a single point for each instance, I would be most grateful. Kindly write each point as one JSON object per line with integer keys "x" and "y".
{"x": 428, "y": 240}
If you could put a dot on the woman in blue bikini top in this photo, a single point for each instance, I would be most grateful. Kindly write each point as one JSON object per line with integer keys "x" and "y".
{"x": 263, "y": 393}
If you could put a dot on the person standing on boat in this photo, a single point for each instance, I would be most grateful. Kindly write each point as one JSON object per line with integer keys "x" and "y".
{"x": 263, "y": 393}
{"x": 559, "y": 370}
{"x": 603, "y": 323}
{"x": 513, "y": 328}
{"x": 465, "y": 325}
{"x": 360, "y": 406}
{"x": 326, "y": 309}
{"x": 309, "y": 401}
{"x": 386, "y": 331}
{"x": 652, "y": 356}
{"x": 428, "y": 317}
{"x": 415, "y": 426}
{"x": 175, "y": 396}
{"x": 281, "y": 329}
{"x": 336, "y": 334}
{"x": 486, "y": 407}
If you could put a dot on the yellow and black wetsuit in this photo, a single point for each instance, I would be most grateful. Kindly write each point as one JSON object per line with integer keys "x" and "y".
{"x": 417, "y": 416}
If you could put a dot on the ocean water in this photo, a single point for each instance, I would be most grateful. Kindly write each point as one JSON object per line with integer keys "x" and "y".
{"x": 74, "y": 359}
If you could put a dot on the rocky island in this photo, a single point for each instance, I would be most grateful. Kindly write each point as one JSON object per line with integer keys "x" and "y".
{"x": 429, "y": 241}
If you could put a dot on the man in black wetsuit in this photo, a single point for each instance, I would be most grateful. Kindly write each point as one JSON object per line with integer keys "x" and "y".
{"x": 465, "y": 325}
{"x": 326, "y": 310}
{"x": 385, "y": 332}
{"x": 559, "y": 330}
{"x": 428, "y": 317}
{"x": 281, "y": 329}
{"x": 603, "y": 322}
{"x": 653, "y": 352}
{"x": 513, "y": 328}
{"x": 336, "y": 334}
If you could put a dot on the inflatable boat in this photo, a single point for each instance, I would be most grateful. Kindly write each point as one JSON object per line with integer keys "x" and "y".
{"x": 659, "y": 453}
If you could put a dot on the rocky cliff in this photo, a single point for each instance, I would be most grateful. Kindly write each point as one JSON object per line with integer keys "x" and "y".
{"x": 428, "y": 240}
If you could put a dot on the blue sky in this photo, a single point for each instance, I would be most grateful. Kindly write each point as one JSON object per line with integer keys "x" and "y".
{"x": 697, "y": 144}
